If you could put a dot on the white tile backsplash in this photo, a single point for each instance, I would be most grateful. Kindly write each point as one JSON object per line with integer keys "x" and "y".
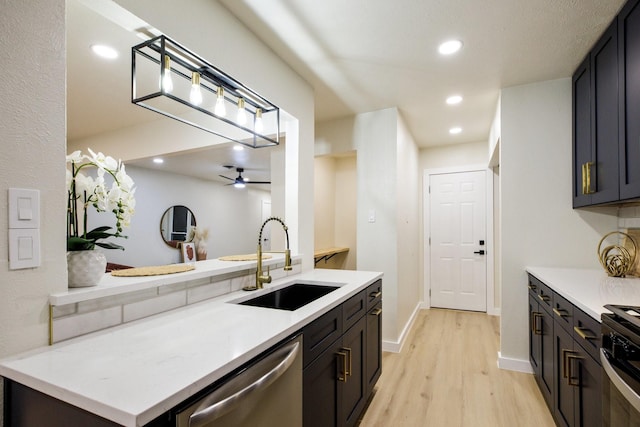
{"x": 80, "y": 324}
{"x": 211, "y": 290}
{"x": 80, "y": 318}
{"x": 138, "y": 310}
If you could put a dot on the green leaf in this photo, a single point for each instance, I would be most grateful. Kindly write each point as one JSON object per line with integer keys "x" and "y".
{"x": 109, "y": 245}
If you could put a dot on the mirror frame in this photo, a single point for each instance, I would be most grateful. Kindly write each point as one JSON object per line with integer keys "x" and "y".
{"x": 176, "y": 243}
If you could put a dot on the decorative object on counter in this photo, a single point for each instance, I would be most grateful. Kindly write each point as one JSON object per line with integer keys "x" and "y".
{"x": 84, "y": 191}
{"x": 176, "y": 224}
{"x": 199, "y": 237}
{"x": 166, "y": 77}
{"x": 156, "y": 270}
{"x": 634, "y": 237}
{"x": 248, "y": 257}
{"x": 617, "y": 260}
{"x": 188, "y": 251}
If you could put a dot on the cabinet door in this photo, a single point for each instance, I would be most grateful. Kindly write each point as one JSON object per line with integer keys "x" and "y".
{"x": 588, "y": 392}
{"x": 604, "y": 117}
{"x": 581, "y": 132}
{"x": 321, "y": 389}
{"x": 535, "y": 332}
{"x": 546, "y": 356}
{"x": 563, "y": 390}
{"x": 374, "y": 346}
{"x": 629, "y": 125}
{"x": 354, "y": 397}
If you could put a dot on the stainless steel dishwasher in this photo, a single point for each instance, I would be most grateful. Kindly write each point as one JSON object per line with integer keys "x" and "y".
{"x": 267, "y": 393}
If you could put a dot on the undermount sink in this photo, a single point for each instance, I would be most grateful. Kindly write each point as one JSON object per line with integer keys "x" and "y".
{"x": 291, "y": 297}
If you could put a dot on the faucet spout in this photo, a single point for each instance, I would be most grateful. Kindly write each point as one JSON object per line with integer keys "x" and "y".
{"x": 262, "y": 278}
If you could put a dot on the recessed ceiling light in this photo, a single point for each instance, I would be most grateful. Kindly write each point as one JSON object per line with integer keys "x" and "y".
{"x": 454, "y": 99}
{"x": 238, "y": 147}
{"x": 455, "y": 131}
{"x": 104, "y": 51}
{"x": 449, "y": 47}
{"x": 158, "y": 160}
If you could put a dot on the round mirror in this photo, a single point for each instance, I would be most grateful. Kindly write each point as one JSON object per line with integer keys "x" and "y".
{"x": 175, "y": 225}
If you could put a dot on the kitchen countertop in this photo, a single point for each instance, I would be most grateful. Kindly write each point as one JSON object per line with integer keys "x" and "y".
{"x": 132, "y": 373}
{"x": 589, "y": 290}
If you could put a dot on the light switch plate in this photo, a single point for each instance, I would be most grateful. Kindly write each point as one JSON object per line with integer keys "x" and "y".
{"x": 24, "y": 248}
{"x": 24, "y": 208}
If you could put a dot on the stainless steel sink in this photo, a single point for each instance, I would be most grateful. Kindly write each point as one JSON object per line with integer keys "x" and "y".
{"x": 291, "y": 297}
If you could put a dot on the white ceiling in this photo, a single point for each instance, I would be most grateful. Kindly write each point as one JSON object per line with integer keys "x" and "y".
{"x": 365, "y": 55}
{"x": 360, "y": 55}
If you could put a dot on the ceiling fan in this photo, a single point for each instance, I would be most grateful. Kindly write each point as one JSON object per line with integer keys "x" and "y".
{"x": 240, "y": 181}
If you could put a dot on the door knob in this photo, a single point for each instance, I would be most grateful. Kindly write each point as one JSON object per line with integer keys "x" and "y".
{"x": 480, "y": 252}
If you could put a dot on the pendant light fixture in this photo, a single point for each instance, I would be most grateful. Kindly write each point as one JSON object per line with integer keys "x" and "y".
{"x": 195, "y": 92}
{"x": 167, "y": 81}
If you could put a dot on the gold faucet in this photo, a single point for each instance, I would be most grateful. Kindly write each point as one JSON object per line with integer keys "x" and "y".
{"x": 262, "y": 278}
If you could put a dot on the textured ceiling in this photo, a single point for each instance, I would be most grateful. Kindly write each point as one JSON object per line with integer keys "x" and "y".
{"x": 365, "y": 55}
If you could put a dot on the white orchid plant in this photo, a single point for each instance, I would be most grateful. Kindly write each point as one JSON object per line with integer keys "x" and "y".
{"x": 85, "y": 190}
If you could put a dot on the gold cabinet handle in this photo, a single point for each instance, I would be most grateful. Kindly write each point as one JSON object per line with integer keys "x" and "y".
{"x": 560, "y": 312}
{"x": 573, "y": 379}
{"x": 584, "y": 179}
{"x": 583, "y": 334}
{"x": 544, "y": 298}
{"x": 534, "y": 323}
{"x": 342, "y": 373}
{"x": 348, "y": 364}
{"x": 375, "y": 295}
{"x": 532, "y": 287}
{"x": 565, "y": 369}
{"x": 588, "y": 166}
{"x": 376, "y": 312}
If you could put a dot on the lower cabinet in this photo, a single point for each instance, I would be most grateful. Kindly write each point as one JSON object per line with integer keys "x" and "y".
{"x": 338, "y": 382}
{"x": 570, "y": 379}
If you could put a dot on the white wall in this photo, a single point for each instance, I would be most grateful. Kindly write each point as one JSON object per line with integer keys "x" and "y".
{"x": 446, "y": 156}
{"x": 324, "y": 201}
{"x": 32, "y": 131}
{"x": 233, "y": 217}
{"x": 539, "y": 226}
{"x": 381, "y": 142}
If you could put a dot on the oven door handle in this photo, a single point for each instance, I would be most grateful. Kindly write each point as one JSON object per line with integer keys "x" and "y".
{"x": 209, "y": 411}
{"x": 632, "y": 397}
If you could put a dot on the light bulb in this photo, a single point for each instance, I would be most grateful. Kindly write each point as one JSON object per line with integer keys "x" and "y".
{"x": 167, "y": 83}
{"x": 242, "y": 114}
{"x": 220, "y": 109}
{"x": 259, "y": 126}
{"x": 196, "y": 94}
{"x": 239, "y": 185}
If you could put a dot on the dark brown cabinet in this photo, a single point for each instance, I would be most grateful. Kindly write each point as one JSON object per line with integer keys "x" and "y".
{"x": 340, "y": 370}
{"x": 629, "y": 99}
{"x": 541, "y": 338}
{"x": 595, "y": 124}
{"x": 563, "y": 349}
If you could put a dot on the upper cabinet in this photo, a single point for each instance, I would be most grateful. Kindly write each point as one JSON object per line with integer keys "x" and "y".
{"x": 629, "y": 107}
{"x": 606, "y": 104}
{"x": 595, "y": 124}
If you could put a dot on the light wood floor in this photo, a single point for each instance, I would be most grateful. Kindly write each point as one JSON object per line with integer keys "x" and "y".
{"x": 447, "y": 375}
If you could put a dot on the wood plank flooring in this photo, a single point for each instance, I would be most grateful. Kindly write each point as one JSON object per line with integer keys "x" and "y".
{"x": 447, "y": 375}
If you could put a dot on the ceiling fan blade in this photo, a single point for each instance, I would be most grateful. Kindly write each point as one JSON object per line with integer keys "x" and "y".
{"x": 226, "y": 177}
{"x": 257, "y": 182}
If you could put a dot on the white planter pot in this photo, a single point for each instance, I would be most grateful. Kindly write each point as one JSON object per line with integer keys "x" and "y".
{"x": 85, "y": 268}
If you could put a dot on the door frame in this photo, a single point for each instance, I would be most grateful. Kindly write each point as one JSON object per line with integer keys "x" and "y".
{"x": 490, "y": 248}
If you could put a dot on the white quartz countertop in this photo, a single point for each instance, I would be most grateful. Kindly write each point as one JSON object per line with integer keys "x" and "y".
{"x": 589, "y": 290}
{"x": 132, "y": 373}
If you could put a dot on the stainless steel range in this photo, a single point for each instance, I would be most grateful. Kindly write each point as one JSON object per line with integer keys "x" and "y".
{"x": 620, "y": 357}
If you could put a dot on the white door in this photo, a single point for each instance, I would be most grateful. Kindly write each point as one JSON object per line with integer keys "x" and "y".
{"x": 457, "y": 223}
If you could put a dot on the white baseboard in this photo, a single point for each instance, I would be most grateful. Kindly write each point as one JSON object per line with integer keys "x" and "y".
{"x": 517, "y": 365}
{"x": 494, "y": 311}
{"x": 396, "y": 346}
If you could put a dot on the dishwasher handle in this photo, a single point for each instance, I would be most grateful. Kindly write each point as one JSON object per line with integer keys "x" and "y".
{"x": 208, "y": 411}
